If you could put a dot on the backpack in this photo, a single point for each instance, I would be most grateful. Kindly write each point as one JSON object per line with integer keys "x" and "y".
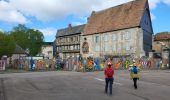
{"x": 135, "y": 70}
{"x": 109, "y": 72}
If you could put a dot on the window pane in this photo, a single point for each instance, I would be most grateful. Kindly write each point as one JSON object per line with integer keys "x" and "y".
{"x": 127, "y": 35}
{"x": 122, "y": 35}
{"x": 114, "y": 37}
{"x": 127, "y": 47}
{"x": 78, "y": 47}
{"x": 106, "y": 47}
{"x": 105, "y": 37}
{"x": 71, "y": 47}
{"x": 97, "y": 48}
{"x": 114, "y": 47}
{"x": 97, "y": 39}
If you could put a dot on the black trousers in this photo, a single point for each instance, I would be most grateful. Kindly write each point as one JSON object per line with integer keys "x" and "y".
{"x": 135, "y": 82}
{"x": 109, "y": 82}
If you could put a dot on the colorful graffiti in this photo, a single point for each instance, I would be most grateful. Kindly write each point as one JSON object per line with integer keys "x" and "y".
{"x": 90, "y": 64}
{"x": 87, "y": 64}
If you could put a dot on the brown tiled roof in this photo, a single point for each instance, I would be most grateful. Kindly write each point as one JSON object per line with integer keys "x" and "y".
{"x": 162, "y": 36}
{"x": 119, "y": 17}
{"x": 70, "y": 30}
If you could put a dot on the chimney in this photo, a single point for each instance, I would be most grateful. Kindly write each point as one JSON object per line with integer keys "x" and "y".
{"x": 69, "y": 25}
{"x": 88, "y": 19}
{"x": 93, "y": 12}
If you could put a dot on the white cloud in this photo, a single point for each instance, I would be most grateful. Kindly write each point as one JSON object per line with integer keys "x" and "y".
{"x": 46, "y": 10}
{"x": 48, "y": 31}
{"x": 9, "y": 14}
{"x": 80, "y": 21}
{"x": 153, "y": 17}
{"x": 76, "y": 23}
{"x": 49, "y": 10}
{"x": 167, "y": 2}
{"x": 1, "y": 30}
{"x": 108, "y": 3}
{"x": 153, "y": 3}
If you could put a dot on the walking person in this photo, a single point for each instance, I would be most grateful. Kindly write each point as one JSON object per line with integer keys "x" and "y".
{"x": 134, "y": 74}
{"x": 32, "y": 63}
{"x": 109, "y": 72}
{"x": 85, "y": 64}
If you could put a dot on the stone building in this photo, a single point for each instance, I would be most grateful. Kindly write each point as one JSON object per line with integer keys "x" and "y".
{"x": 161, "y": 44}
{"x": 123, "y": 30}
{"x": 47, "y": 50}
{"x": 18, "y": 53}
{"x": 161, "y": 41}
{"x": 68, "y": 41}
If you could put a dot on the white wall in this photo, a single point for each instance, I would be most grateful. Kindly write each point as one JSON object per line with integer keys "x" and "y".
{"x": 47, "y": 51}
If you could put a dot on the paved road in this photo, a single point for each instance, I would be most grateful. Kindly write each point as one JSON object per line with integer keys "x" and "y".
{"x": 153, "y": 85}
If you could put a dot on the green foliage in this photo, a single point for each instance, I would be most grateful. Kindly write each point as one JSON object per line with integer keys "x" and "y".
{"x": 20, "y": 36}
{"x": 35, "y": 40}
{"x": 7, "y": 45}
{"x": 28, "y": 39}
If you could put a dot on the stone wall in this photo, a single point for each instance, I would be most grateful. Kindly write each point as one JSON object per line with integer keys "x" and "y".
{"x": 121, "y": 42}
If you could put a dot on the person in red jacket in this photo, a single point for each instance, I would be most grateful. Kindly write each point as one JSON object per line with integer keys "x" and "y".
{"x": 109, "y": 72}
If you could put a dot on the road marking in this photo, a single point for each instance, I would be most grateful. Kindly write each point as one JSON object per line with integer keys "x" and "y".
{"x": 99, "y": 79}
{"x": 117, "y": 83}
{"x": 104, "y": 80}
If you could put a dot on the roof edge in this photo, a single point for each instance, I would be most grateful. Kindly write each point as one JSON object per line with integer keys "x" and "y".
{"x": 112, "y": 30}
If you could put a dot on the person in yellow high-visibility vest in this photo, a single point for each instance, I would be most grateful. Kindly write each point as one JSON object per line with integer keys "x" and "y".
{"x": 162, "y": 66}
{"x": 102, "y": 66}
{"x": 126, "y": 64}
{"x": 134, "y": 73}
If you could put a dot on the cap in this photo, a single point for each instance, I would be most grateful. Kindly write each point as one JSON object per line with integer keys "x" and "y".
{"x": 109, "y": 63}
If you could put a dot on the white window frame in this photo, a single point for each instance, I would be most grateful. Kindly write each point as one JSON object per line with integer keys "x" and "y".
{"x": 106, "y": 47}
{"x": 114, "y": 37}
{"x": 62, "y": 47}
{"x": 127, "y": 46}
{"x": 97, "y": 48}
{"x": 114, "y": 47}
{"x": 76, "y": 47}
{"x": 127, "y": 35}
{"x": 71, "y": 47}
{"x": 97, "y": 40}
{"x": 65, "y": 47}
{"x": 106, "y": 37}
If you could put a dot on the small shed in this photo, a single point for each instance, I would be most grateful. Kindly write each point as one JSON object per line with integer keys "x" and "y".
{"x": 18, "y": 53}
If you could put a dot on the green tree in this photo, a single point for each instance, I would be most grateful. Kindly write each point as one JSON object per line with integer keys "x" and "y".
{"x": 7, "y": 45}
{"x": 35, "y": 39}
{"x": 28, "y": 39}
{"x": 20, "y": 36}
